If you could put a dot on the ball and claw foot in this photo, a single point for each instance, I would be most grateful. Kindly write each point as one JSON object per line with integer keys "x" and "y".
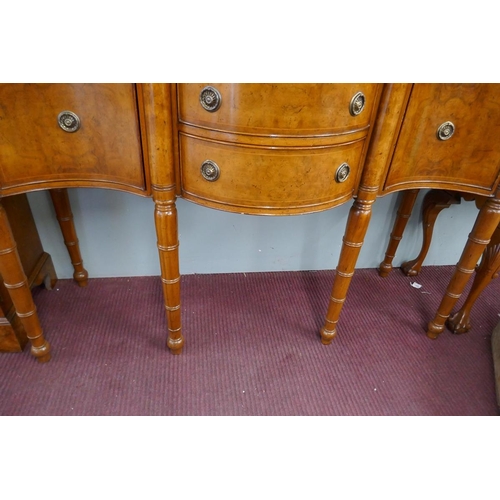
{"x": 175, "y": 345}
{"x": 42, "y": 353}
{"x": 411, "y": 268}
{"x": 434, "y": 330}
{"x": 327, "y": 335}
{"x": 458, "y": 323}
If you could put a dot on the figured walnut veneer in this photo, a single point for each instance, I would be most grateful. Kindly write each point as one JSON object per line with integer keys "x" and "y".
{"x": 35, "y": 153}
{"x": 406, "y": 153}
{"x": 271, "y": 149}
{"x": 278, "y": 147}
{"x": 469, "y": 161}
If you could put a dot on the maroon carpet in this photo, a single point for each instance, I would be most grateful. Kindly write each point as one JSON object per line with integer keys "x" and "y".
{"x": 252, "y": 348}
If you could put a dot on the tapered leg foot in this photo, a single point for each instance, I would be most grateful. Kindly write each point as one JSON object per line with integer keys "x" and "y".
{"x": 434, "y": 330}
{"x": 175, "y": 345}
{"x": 327, "y": 335}
{"x": 81, "y": 278}
{"x": 42, "y": 353}
{"x": 384, "y": 269}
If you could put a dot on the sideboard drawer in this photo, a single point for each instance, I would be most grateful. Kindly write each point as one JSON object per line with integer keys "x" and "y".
{"x": 278, "y": 109}
{"x": 463, "y": 154}
{"x": 265, "y": 180}
{"x": 38, "y": 143}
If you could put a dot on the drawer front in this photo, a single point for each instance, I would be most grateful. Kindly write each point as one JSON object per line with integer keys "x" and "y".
{"x": 467, "y": 156}
{"x": 279, "y": 109}
{"x": 35, "y": 149}
{"x": 262, "y": 180}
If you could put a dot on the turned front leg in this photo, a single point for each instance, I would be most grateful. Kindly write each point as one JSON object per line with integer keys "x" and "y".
{"x": 357, "y": 225}
{"x": 393, "y": 95}
{"x": 62, "y": 207}
{"x": 16, "y": 283}
{"x": 487, "y": 271}
{"x": 157, "y": 100}
{"x": 404, "y": 212}
{"x": 434, "y": 203}
{"x": 486, "y": 223}
{"x": 168, "y": 248}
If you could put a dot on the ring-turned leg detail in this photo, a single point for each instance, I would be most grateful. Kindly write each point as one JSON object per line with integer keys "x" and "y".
{"x": 357, "y": 225}
{"x": 16, "y": 283}
{"x": 403, "y": 214}
{"x": 168, "y": 249}
{"x": 62, "y": 207}
{"x": 486, "y": 223}
{"x": 487, "y": 271}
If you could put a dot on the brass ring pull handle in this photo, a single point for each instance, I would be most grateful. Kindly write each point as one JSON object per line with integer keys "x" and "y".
{"x": 357, "y": 104}
{"x": 210, "y": 170}
{"x": 68, "y": 121}
{"x": 342, "y": 172}
{"x": 210, "y": 99}
{"x": 445, "y": 131}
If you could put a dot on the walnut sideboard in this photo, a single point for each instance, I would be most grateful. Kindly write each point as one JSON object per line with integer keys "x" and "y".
{"x": 249, "y": 148}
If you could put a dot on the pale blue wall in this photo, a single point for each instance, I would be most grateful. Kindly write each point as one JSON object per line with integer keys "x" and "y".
{"x": 117, "y": 236}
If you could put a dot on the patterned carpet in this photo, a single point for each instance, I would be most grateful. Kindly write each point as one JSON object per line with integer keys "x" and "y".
{"x": 252, "y": 348}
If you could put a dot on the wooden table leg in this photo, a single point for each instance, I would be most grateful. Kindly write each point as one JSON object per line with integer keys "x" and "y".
{"x": 168, "y": 249}
{"x": 486, "y": 223}
{"x": 157, "y": 100}
{"x": 62, "y": 207}
{"x": 434, "y": 202}
{"x": 357, "y": 225}
{"x": 404, "y": 212}
{"x": 16, "y": 283}
{"x": 487, "y": 270}
{"x": 359, "y": 216}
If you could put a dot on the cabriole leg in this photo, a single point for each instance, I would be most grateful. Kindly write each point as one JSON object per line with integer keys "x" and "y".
{"x": 434, "y": 202}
